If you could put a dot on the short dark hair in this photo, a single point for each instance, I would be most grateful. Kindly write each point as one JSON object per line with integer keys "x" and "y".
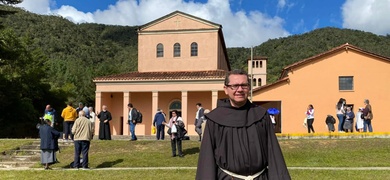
{"x": 199, "y": 104}
{"x": 175, "y": 111}
{"x": 47, "y": 121}
{"x": 130, "y": 105}
{"x": 236, "y": 72}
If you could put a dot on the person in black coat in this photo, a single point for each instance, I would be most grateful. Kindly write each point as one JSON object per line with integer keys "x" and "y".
{"x": 49, "y": 143}
{"x": 239, "y": 141}
{"x": 104, "y": 125}
{"x": 199, "y": 120}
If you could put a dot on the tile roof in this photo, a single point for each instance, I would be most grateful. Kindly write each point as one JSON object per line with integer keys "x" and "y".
{"x": 155, "y": 76}
{"x": 345, "y": 46}
{"x": 284, "y": 75}
{"x": 270, "y": 85}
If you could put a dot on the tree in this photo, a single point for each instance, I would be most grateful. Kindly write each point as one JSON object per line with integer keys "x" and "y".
{"x": 10, "y": 1}
{"x": 23, "y": 91}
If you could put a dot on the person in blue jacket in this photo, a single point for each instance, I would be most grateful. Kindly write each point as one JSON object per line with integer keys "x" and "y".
{"x": 49, "y": 143}
{"x": 159, "y": 118}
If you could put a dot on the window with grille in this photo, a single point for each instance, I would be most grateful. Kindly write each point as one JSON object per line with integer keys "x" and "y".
{"x": 345, "y": 83}
{"x": 176, "y": 50}
{"x": 194, "y": 49}
{"x": 160, "y": 50}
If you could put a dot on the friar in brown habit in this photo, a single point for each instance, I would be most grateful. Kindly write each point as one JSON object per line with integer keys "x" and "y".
{"x": 239, "y": 141}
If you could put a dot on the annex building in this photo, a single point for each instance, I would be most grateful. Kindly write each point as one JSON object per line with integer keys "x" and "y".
{"x": 343, "y": 72}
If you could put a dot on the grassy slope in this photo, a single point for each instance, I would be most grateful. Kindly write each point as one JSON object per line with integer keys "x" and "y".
{"x": 369, "y": 152}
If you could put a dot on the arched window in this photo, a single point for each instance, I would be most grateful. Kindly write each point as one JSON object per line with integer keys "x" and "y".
{"x": 194, "y": 49}
{"x": 175, "y": 105}
{"x": 254, "y": 82}
{"x": 259, "y": 82}
{"x": 176, "y": 50}
{"x": 160, "y": 50}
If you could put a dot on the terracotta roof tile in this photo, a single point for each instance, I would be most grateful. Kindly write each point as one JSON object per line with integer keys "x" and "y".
{"x": 153, "y": 76}
{"x": 270, "y": 85}
{"x": 345, "y": 46}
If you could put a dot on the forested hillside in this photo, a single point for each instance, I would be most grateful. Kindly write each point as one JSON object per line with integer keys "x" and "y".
{"x": 48, "y": 59}
{"x": 285, "y": 51}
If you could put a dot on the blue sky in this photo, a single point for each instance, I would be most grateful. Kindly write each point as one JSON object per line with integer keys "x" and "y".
{"x": 245, "y": 22}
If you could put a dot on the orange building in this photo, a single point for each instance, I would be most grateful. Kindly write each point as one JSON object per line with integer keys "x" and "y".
{"x": 182, "y": 60}
{"x": 344, "y": 72}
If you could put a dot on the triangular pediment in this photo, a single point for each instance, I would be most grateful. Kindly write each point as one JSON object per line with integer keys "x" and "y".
{"x": 178, "y": 21}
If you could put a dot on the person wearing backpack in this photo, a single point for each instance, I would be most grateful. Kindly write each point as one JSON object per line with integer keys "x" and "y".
{"x": 50, "y": 113}
{"x": 133, "y": 115}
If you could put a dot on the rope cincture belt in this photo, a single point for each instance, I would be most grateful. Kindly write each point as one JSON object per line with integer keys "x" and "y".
{"x": 251, "y": 177}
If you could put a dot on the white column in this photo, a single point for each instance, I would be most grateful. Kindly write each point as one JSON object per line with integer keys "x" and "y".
{"x": 154, "y": 104}
{"x": 214, "y": 99}
{"x": 98, "y": 106}
{"x": 126, "y": 100}
{"x": 184, "y": 106}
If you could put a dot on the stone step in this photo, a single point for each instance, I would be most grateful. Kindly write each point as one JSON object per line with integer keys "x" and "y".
{"x": 38, "y": 146}
{"x": 11, "y": 164}
{"x": 26, "y": 158}
{"x": 27, "y": 152}
{"x": 20, "y": 158}
{"x": 26, "y": 147}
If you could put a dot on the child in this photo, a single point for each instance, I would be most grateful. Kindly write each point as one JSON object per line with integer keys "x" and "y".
{"x": 330, "y": 121}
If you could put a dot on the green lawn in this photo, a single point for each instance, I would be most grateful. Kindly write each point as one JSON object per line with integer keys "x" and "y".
{"x": 368, "y": 152}
{"x": 11, "y": 144}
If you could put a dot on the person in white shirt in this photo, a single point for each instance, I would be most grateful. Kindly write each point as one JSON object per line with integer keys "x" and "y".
{"x": 310, "y": 118}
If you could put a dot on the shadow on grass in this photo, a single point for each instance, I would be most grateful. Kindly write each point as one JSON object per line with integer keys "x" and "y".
{"x": 109, "y": 164}
{"x": 194, "y": 150}
{"x": 102, "y": 165}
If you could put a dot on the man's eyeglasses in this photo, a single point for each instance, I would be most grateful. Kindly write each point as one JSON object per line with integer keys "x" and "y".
{"x": 235, "y": 86}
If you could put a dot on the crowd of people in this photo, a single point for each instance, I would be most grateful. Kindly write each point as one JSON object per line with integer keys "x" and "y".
{"x": 346, "y": 118}
{"x": 78, "y": 127}
{"x": 227, "y": 133}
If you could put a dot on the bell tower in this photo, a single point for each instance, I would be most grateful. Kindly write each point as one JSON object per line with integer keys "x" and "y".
{"x": 258, "y": 68}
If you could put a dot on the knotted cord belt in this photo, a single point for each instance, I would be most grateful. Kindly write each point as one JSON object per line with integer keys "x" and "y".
{"x": 251, "y": 177}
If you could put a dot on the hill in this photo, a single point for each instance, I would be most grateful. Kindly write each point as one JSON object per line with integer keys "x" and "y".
{"x": 79, "y": 52}
{"x": 76, "y": 53}
{"x": 63, "y": 57}
{"x": 285, "y": 51}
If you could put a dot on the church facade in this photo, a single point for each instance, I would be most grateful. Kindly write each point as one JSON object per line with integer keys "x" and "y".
{"x": 182, "y": 60}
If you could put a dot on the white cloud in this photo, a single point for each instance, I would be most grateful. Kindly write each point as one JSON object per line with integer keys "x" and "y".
{"x": 74, "y": 15}
{"x": 368, "y": 15}
{"x": 240, "y": 28}
{"x": 281, "y": 3}
{"x": 36, "y": 6}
